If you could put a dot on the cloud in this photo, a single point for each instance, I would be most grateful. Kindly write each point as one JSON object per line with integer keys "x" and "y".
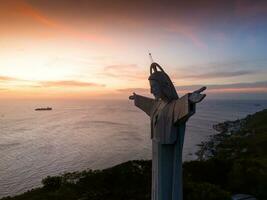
{"x": 124, "y": 71}
{"x": 222, "y": 74}
{"x": 186, "y": 19}
{"x": 20, "y": 83}
{"x": 262, "y": 84}
{"x": 6, "y": 78}
{"x": 69, "y": 83}
{"x": 147, "y": 12}
{"x": 226, "y": 69}
{"x": 248, "y": 87}
{"x": 121, "y": 67}
{"x": 131, "y": 90}
{"x": 26, "y": 9}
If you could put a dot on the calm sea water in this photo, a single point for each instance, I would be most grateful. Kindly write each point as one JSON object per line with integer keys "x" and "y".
{"x": 78, "y": 135}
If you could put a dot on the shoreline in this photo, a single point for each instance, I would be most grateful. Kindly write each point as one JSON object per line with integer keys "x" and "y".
{"x": 223, "y": 130}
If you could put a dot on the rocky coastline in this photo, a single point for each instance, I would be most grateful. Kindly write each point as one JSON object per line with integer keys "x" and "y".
{"x": 208, "y": 149}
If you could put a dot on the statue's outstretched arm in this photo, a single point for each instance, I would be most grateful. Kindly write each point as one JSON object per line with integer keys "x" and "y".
{"x": 185, "y": 107}
{"x": 144, "y": 103}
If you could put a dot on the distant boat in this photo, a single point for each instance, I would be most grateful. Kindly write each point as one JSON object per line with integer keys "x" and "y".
{"x": 43, "y": 109}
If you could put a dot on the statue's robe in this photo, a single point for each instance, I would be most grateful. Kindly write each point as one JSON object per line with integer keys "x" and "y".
{"x": 168, "y": 120}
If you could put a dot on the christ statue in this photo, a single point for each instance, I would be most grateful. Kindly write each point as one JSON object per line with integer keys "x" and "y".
{"x": 168, "y": 115}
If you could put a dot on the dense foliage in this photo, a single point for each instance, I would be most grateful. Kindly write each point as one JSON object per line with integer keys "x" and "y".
{"x": 238, "y": 165}
{"x": 127, "y": 181}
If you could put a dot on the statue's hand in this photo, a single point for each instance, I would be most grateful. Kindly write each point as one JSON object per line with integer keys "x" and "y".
{"x": 132, "y": 97}
{"x": 196, "y": 97}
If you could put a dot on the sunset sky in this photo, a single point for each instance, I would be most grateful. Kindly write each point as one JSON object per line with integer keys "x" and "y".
{"x": 97, "y": 48}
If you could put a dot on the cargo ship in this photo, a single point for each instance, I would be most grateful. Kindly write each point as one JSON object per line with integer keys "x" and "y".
{"x": 43, "y": 109}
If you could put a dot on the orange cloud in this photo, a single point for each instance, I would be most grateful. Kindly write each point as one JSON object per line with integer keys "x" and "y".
{"x": 15, "y": 83}
{"x": 69, "y": 83}
{"x": 124, "y": 71}
{"x": 11, "y": 82}
{"x": 51, "y": 89}
{"x": 6, "y": 78}
{"x": 130, "y": 90}
{"x": 28, "y": 10}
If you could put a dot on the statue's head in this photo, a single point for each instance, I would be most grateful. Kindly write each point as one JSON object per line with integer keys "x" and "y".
{"x": 161, "y": 84}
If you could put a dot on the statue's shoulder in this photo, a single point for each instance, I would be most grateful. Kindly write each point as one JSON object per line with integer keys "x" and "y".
{"x": 168, "y": 108}
{"x": 174, "y": 101}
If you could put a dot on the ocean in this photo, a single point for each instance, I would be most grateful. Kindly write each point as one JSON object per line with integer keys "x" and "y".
{"x": 78, "y": 135}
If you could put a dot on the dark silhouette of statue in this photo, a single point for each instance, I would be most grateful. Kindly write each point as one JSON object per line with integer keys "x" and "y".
{"x": 168, "y": 114}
